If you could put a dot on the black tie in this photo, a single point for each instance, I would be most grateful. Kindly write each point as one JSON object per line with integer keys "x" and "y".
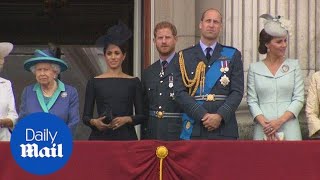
{"x": 164, "y": 65}
{"x": 208, "y": 56}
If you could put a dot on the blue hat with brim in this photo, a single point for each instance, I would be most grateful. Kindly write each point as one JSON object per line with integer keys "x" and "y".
{"x": 44, "y": 56}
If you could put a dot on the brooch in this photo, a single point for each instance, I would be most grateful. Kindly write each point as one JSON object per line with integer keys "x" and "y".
{"x": 188, "y": 125}
{"x": 224, "y": 80}
{"x": 64, "y": 94}
{"x": 285, "y": 68}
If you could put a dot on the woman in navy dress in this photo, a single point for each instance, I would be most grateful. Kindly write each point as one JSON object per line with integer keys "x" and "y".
{"x": 115, "y": 93}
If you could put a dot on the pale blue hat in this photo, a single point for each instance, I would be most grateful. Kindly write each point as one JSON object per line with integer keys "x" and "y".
{"x": 276, "y": 26}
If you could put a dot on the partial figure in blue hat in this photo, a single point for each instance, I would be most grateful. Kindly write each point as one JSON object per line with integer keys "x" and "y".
{"x": 209, "y": 85}
{"x": 275, "y": 85}
{"x": 49, "y": 94}
{"x": 114, "y": 93}
{"x": 8, "y": 113}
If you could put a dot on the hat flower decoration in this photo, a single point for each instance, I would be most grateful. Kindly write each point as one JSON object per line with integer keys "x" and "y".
{"x": 276, "y": 26}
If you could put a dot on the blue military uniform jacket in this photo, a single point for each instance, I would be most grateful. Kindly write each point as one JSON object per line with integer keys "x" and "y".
{"x": 226, "y": 108}
{"x": 159, "y": 96}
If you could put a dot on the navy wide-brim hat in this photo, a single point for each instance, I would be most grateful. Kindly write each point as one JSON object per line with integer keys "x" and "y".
{"x": 117, "y": 34}
{"x": 44, "y": 56}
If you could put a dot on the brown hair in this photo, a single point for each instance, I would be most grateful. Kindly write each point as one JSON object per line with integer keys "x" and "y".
{"x": 165, "y": 24}
{"x": 210, "y": 9}
{"x": 264, "y": 38}
{"x": 122, "y": 47}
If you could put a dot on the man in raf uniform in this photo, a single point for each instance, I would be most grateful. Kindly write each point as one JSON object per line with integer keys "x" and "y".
{"x": 164, "y": 122}
{"x": 209, "y": 84}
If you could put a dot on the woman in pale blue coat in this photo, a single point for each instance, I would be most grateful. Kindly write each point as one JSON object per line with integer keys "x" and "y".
{"x": 275, "y": 86}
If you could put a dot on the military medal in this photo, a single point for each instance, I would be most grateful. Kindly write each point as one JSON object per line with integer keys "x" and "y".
{"x": 224, "y": 67}
{"x": 171, "y": 81}
{"x": 285, "y": 68}
{"x": 224, "y": 80}
{"x": 172, "y": 94}
{"x": 161, "y": 73}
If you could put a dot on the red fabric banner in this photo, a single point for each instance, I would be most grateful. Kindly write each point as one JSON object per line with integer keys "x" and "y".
{"x": 187, "y": 160}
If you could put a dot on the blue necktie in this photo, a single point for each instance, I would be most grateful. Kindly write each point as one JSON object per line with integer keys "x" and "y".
{"x": 208, "y": 55}
{"x": 164, "y": 65}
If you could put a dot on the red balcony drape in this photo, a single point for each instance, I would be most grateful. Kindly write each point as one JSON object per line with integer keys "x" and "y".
{"x": 186, "y": 160}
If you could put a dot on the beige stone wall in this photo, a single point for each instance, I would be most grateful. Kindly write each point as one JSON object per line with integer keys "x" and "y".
{"x": 185, "y": 15}
{"x": 182, "y": 14}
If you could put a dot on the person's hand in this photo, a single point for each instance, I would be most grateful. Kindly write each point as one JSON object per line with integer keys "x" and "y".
{"x": 272, "y": 127}
{"x": 120, "y": 121}
{"x": 211, "y": 121}
{"x": 273, "y": 137}
{"x": 6, "y": 122}
{"x": 99, "y": 124}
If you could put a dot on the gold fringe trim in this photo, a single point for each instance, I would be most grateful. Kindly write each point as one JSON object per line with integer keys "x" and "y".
{"x": 198, "y": 79}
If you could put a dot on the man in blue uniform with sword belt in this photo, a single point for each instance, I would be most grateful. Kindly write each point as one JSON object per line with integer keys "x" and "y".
{"x": 209, "y": 84}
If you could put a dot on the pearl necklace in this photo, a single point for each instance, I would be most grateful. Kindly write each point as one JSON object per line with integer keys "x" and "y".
{"x": 50, "y": 92}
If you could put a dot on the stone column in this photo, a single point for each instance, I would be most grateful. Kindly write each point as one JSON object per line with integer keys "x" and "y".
{"x": 182, "y": 14}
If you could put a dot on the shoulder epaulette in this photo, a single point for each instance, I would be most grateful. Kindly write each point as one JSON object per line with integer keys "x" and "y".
{"x": 231, "y": 47}
{"x": 186, "y": 49}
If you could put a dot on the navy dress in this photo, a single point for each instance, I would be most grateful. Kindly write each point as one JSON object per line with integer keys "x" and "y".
{"x": 122, "y": 95}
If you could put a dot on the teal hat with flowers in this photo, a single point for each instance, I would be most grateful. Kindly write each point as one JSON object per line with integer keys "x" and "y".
{"x": 44, "y": 56}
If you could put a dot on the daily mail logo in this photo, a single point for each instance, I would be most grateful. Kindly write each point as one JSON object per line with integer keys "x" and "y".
{"x": 32, "y": 150}
{"x": 41, "y": 139}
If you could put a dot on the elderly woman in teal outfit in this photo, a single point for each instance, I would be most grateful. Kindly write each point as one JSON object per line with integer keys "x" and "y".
{"x": 275, "y": 85}
{"x": 49, "y": 94}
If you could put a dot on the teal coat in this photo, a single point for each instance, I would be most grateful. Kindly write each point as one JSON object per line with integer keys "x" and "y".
{"x": 272, "y": 96}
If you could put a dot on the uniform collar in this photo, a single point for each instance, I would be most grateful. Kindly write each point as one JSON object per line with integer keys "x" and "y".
{"x": 168, "y": 59}
{"x": 204, "y": 47}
